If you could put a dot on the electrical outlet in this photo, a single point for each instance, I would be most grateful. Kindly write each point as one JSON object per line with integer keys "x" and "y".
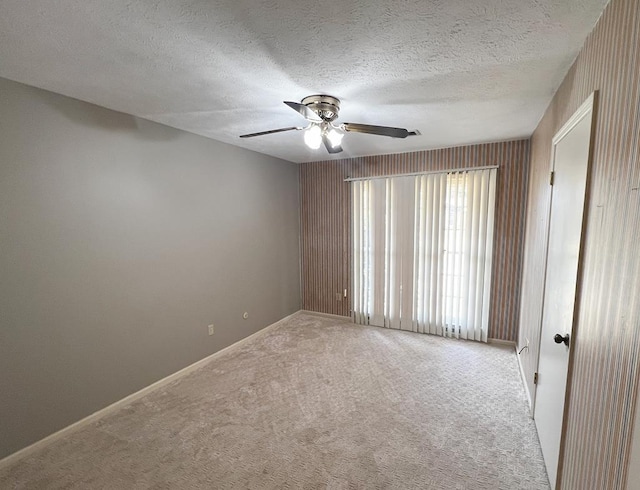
{"x": 211, "y": 330}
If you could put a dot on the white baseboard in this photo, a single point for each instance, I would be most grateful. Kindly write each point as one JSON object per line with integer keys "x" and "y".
{"x": 24, "y": 452}
{"x": 509, "y": 343}
{"x": 327, "y": 315}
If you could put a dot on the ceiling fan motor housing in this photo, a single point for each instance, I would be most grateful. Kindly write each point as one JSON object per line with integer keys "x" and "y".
{"x": 326, "y": 106}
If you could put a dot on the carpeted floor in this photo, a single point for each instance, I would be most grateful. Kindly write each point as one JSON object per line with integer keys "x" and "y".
{"x": 314, "y": 403}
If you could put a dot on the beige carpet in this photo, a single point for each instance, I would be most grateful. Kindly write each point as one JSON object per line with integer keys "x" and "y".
{"x": 314, "y": 403}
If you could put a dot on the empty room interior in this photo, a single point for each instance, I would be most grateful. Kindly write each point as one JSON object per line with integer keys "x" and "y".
{"x": 204, "y": 287}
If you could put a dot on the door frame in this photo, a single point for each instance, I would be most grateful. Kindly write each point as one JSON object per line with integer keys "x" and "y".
{"x": 590, "y": 105}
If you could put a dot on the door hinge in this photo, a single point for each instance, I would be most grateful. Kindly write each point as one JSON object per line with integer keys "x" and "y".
{"x": 535, "y": 378}
{"x": 552, "y": 177}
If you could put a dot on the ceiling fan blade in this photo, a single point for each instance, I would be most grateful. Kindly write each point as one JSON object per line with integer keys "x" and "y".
{"x": 271, "y": 131}
{"x": 379, "y": 130}
{"x": 307, "y": 113}
{"x": 329, "y": 147}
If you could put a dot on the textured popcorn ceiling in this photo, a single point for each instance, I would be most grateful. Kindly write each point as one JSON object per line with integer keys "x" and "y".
{"x": 459, "y": 71}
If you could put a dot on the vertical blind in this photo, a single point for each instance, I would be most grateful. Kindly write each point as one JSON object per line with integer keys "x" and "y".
{"x": 422, "y": 252}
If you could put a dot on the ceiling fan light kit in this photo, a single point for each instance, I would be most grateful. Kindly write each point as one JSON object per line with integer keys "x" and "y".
{"x": 321, "y": 111}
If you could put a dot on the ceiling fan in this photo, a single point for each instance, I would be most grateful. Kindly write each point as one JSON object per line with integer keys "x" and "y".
{"x": 321, "y": 111}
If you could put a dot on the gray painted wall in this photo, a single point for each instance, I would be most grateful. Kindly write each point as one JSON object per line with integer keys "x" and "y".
{"x": 120, "y": 241}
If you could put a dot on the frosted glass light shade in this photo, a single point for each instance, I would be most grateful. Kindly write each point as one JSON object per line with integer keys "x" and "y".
{"x": 335, "y": 137}
{"x": 313, "y": 137}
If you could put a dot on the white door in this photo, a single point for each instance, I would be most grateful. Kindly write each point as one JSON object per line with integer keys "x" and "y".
{"x": 570, "y": 162}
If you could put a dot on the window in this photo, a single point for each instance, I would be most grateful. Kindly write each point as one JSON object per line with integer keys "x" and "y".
{"x": 422, "y": 252}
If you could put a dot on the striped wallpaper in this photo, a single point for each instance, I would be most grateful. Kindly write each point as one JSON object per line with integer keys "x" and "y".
{"x": 325, "y": 223}
{"x": 606, "y": 342}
